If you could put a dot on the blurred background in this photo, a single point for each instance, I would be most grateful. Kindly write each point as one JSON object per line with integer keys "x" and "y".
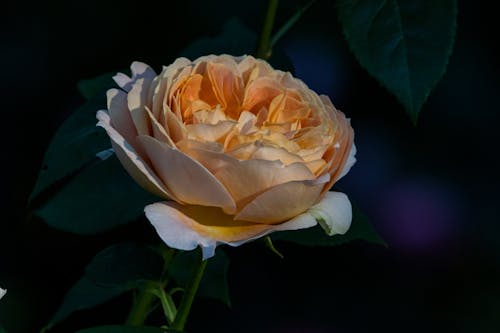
{"x": 430, "y": 190}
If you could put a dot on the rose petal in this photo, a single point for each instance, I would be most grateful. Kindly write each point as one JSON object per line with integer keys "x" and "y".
{"x": 120, "y": 115}
{"x": 282, "y": 202}
{"x": 350, "y": 161}
{"x": 137, "y": 101}
{"x": 2, "y": 292}
{"x": 139, "y": 71}
{"x": 190, "y": 181}
{"x": 159, "y": 131}
{"x": 334, "y": 213}
{"x": 208, "y": 132}
{"x": 184, "y": 227}
{"x": 132, "y": 162}
{"x": 164, "y": 82}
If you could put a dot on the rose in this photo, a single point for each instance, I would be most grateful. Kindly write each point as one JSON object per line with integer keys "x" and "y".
{"x": 239, "y": 150}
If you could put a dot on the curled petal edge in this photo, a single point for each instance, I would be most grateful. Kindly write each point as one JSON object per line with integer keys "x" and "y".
{"x": 182, "y": 232}
{"x": 333, "y": 212}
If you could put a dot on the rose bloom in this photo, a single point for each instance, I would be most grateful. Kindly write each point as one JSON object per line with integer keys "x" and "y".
{"x": 238, "y": 149}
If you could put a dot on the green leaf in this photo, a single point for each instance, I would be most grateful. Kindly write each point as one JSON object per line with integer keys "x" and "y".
{"x": 125, "y": 265}
{"x": 235, "y": 39}
{"x": 83, "y": 295}
{"x": 122, "y": 329}
{"x": 214, "y": 282}
{"x": 404, "y": 44}
{"x": 360, "y": 229}
{"x": 89, "y": 88}
{"x": 74, "y": 145}
{"x": 101, "y": 197}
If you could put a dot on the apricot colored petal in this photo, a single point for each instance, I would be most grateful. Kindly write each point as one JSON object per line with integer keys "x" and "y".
{"x": 334, "y": 213}
{"x": 248, "y": 178}
{"x": 159, "y": 131}
{"x": 190, "y": 181}
{"x": 164, "y": 84}
{"x": 259, "y": 93}
{"x": 139, "y": 71}
{"x": 185, "y": 227}
{"x": 131, "y": 161}
{"x": 120, "y": 115}
{"x": 208, "y": 132}
{"x": 272, "y": 154}
{"x": 282, "y": 202}
{"x": 137, "y": 101}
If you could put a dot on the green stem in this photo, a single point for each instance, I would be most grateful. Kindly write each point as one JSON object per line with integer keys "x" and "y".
{"x": 264, "y": 45}
{"x": 167, "y": 304}
{"x": 289, "y": 23}
{"x": 187, "y": 299}
{"x": 140, "y": 309}
{"x": 144, "y": 302}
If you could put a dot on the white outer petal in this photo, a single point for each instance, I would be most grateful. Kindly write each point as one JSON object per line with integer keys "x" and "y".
{"x": 178, "y": 235}
{"x": 2, "y": 292}
{"x": 139, "y": 70}
{"x": 334, "y": 213}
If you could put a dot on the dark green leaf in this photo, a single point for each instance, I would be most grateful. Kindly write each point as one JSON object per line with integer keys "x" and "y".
{"x": 75, "y": 145}
{"x": 214, "y": 282}
{"x": 83, "y": 295}
{"x": 235, "y": 39}
{"x": 125, "y": 265}
{"x": 2, "y": 330}
{"x": 101, "y": 197}
{"x": 404, "y": 44}
{"x": 90, "y": 88}
{"x": 122, "y": 329}
{"x": 360, "y": 229}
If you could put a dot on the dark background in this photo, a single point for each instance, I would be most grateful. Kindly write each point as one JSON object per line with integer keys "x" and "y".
{"x": 431, "y": 190}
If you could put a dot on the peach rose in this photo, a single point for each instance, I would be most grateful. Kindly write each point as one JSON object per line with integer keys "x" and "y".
{"x": 237, "y": 148}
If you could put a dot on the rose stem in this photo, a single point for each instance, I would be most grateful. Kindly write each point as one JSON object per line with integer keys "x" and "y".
{"x": 264, "y": 45}
{"x": 144, "y": 301}
{"x": 187, "y": 299}
{"x": 141, "y": 308}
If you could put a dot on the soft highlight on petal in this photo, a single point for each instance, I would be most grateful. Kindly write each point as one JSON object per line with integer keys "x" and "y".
{"x": 188, "y": 180}
{"x": 334, "y": 213}
{"x": 186, "y": 227}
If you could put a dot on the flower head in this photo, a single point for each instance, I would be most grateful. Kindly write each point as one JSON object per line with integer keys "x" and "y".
{"x": 238, "y": 149}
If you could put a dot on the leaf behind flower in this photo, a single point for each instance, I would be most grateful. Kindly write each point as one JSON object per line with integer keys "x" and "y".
{"x": 125, "y": 265}
{"x": 83, "y": 295}
{"x": 404, "y": 44}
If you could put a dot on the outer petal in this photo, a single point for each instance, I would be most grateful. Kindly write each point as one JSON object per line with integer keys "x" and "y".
{"x": 120, "y": 115}
{"x": 334, "y": 213}
{"x": 190, "y": 181}
{"x": 132, "y": 162}
{"x": 350, "y": 161}
{"x": 139, "y": 70}
{"x": 137, "y": 101}
{"x": 283, "y": 202}
{"x": 186, "y": 227}
{"x": 2, "y": 292}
